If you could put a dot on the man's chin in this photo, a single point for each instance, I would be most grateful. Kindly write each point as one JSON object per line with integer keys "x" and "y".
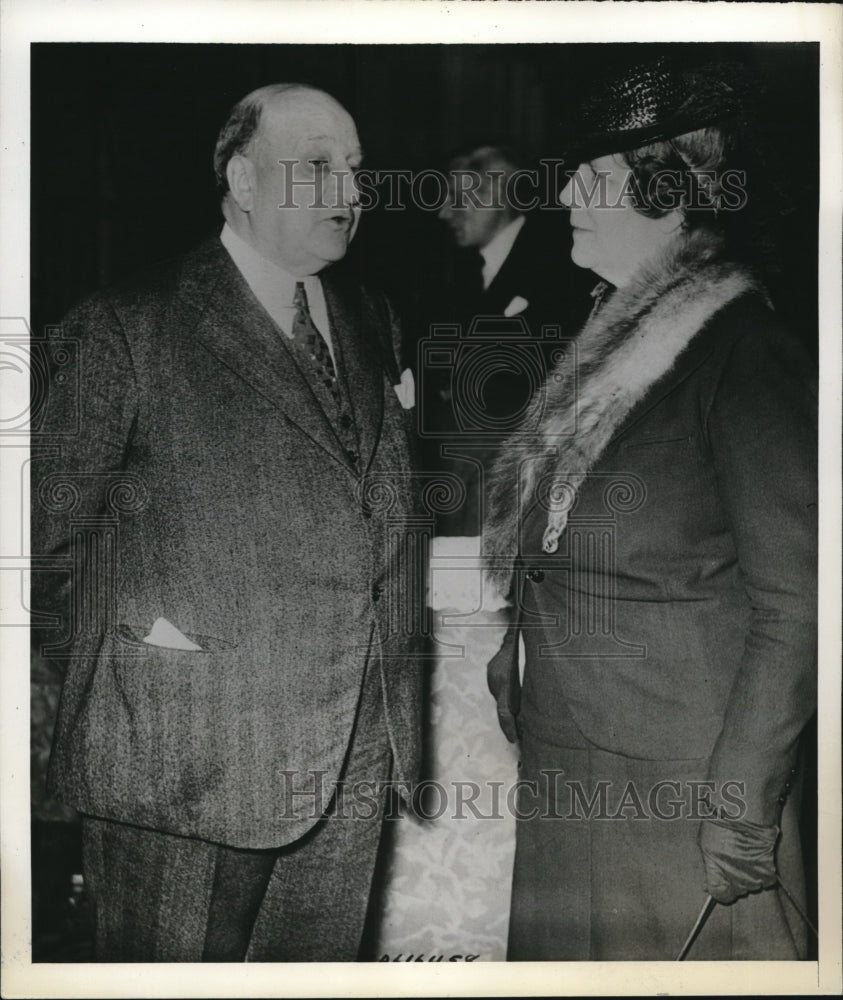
{"x": 330, "y": 251}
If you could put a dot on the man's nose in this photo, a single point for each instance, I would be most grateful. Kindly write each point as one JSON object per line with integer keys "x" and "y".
{"x": 340, "y": 189}
{"x": 350, "y": 190}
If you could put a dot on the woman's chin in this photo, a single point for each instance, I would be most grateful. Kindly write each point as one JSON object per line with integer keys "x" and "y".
{"x": 581, "y": 257}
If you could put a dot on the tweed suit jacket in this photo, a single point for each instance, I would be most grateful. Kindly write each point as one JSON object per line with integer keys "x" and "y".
{"x": 243, "y": 520}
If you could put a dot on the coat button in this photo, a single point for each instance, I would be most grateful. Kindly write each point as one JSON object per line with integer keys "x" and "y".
{"x": 376, "y": 593}
{"x": 367, "y": 514}
{"x": 352, "y": 456}
{"x": 535, "y": 575}
{"x": 345, "y": 421}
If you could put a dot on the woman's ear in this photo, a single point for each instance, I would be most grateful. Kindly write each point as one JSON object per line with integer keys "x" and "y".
{"x": 240, "y": 173}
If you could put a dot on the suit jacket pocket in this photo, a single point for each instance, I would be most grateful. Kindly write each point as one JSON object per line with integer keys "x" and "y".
{"x": 133, "y": 634}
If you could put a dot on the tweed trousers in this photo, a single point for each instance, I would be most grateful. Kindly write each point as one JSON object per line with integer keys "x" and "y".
{"x": 165, "y": 898}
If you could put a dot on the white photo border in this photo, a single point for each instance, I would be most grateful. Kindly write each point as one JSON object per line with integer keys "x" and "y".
{"x": 409, "y": 21}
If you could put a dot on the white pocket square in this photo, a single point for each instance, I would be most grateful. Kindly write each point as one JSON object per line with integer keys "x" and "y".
{"x": 517, "y": 305}
{"x": 406, "y": 390}
{"x": 163, "y": 633}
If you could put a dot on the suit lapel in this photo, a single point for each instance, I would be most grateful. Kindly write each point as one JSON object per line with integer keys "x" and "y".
{"x": 236, "y": 329}
{"x": 700, "y": 348}
{"x": 508, "y": 281}
{"x": 353, "y": 330}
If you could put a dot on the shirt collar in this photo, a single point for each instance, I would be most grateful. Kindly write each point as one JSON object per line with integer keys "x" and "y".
{"x": 270, "y": 283}
{"x": 497, "y": 249}
{"x": 274, "y": 287}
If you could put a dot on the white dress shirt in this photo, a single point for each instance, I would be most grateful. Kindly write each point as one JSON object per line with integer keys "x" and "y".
{"x": 497, "y": 250}
{"x": 274, "y": 287}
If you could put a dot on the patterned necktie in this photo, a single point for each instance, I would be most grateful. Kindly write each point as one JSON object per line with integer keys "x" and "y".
{"x": 311, "y": 341}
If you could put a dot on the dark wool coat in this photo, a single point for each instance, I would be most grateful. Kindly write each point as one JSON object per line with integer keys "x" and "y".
{"x": 246, "y": 523}
{"x": 676, "y": 618}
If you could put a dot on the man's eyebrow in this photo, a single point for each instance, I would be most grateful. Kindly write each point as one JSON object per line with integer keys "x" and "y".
{"x": 357, "y": 151}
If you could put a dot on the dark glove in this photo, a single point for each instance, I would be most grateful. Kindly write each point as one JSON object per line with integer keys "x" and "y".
{"x": 739, "y": 857}
{"x": 504, "y": 683}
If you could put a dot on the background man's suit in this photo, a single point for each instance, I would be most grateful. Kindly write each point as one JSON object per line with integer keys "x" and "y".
{"x": 536, "y": 287}
{"x": 537, "y": 270}
{"x": 259, "y": 533}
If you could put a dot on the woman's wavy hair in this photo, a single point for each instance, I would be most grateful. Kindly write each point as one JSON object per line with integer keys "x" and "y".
{"x": 719, "y": 177}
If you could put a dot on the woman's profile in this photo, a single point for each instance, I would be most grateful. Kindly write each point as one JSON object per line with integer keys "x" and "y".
{"x": 655, "y": 528}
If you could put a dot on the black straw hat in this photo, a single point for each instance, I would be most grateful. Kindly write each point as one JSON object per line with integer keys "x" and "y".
{"x": 656, "y": 101}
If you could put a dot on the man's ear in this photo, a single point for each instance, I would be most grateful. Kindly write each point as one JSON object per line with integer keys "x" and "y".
{"x": 240, "y": 173}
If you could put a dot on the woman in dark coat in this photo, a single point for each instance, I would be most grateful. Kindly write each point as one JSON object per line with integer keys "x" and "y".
{"x": 656, "y": 524}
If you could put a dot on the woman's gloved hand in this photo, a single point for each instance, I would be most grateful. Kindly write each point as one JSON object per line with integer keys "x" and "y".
{"x": 504, "y": 683}
{"x": 739, "y": 857}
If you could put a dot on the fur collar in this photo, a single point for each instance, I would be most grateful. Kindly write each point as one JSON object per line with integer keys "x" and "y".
{"x": 627, "y": 345}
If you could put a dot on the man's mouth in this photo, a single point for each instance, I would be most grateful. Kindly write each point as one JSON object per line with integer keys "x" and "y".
{"x": 341, "y": 220}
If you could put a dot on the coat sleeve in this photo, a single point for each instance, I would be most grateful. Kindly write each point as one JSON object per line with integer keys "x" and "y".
{"x": 85, "y": 433}
{"x": 762, "y": 432}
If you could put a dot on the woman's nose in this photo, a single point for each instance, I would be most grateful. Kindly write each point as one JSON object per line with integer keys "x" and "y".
{"x": 566, "y": 195}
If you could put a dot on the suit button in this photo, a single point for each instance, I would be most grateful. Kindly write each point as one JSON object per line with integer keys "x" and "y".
{"x": 367, "y": 513}
{"x": 535, "y": 575}
{"x": 352, "y": 456}
{"x": 376, "y": 593}
{"x": 345, "y": 421}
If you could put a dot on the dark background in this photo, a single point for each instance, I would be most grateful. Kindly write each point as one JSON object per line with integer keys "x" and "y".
{"x": 123, "y": 136}
{"x": 122, "y": 143}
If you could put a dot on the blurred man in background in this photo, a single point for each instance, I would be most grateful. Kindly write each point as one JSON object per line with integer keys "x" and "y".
{"x": 515, "y": 296}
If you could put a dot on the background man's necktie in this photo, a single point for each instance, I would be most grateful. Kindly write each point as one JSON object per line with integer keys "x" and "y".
{"x": 311, "y": 341}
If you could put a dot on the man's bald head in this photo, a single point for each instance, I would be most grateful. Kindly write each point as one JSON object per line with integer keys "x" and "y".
{"x": 285, "y": 162}
{"x": 244, "y": 120}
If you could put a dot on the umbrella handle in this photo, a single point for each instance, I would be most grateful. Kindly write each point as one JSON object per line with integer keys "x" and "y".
{"x": 707, "y": 907}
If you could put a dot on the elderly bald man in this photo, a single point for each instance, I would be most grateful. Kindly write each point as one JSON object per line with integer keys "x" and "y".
{"x": 229, "y": 724}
